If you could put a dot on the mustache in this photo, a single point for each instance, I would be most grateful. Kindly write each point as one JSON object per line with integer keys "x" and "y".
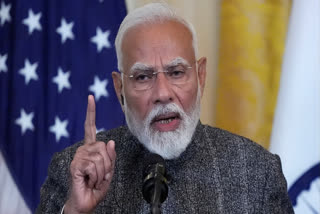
{"x": 163, "y": 110}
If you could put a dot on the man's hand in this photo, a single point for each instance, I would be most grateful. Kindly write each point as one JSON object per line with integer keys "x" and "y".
{"x": 91, "y": 168}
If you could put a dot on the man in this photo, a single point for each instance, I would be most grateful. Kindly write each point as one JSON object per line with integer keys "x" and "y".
{"x": 159, "y": 87}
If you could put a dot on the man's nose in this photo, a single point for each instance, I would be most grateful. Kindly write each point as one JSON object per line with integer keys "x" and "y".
{"x": 162, "y": 90}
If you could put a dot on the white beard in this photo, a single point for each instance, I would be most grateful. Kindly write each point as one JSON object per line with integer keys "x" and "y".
{"x": 169, "y": 144}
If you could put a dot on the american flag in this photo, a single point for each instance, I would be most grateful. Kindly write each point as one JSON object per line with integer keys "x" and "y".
{"x": 53, "y": 53}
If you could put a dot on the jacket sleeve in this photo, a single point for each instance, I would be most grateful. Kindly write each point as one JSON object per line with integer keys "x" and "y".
{"x": 276, "y": 198}
{"x": 54, "y": 191}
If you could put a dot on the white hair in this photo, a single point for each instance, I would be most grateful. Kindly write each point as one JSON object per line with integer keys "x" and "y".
{"x": 152, "y": 13}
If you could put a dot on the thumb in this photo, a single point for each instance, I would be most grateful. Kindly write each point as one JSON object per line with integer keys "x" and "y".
{"x": 111, "y": 151}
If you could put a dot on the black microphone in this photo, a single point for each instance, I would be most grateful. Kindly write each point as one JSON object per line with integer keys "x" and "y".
{"x": 155, "y": 184}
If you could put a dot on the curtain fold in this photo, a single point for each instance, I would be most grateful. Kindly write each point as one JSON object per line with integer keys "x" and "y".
{"x": 252, "y": 37}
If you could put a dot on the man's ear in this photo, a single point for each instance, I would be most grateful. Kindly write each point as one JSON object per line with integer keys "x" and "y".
{"x": 116, "y": 76}
{"x": 202, "y": 73}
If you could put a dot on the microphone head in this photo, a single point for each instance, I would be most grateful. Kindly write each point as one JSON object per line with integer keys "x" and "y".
{"x": 154, "y": 178}
{"x": 150, "y": 161}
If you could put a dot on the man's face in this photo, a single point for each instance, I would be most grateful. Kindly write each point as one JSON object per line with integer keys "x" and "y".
{"x": 158, "y": 47}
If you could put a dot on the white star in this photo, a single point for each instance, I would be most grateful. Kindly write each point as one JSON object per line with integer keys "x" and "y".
{"x": 65, "y": 30}
{"x": 25, "y": 121}
{"x": 62, "y": 80}
{"x": 33, "y": 21}
{"x": 99, "y": 88}
{"x": 101, "y": 39}
{"x": 100, "y": 130}
{"x": 5, "y": 13}
{"x": 59, "y": 129}
{"x": 29, "y": 71}
{"x": 3, "y": 66}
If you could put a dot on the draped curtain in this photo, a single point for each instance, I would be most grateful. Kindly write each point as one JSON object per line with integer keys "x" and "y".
{"x": 252, "y": 38}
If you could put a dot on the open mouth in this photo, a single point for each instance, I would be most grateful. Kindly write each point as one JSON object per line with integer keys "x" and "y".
{"x": 166, "y": 122}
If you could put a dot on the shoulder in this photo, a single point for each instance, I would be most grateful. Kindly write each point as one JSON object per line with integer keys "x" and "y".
{"x": 237, "y": 154}
{"x": 234, "y": 147}
{"x": 258, "y": 171}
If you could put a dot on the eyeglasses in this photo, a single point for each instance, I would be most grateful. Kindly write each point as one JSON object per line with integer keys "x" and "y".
{"x": 145, "y": 79}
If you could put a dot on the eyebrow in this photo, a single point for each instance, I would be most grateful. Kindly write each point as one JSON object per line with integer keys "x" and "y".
{"x": 140, "y": 66}
{"x": 143, "y": 67}
{"x": 177, "y": 61}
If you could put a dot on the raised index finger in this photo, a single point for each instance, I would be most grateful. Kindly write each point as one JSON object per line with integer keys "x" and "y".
{"x": 90, "y": 123}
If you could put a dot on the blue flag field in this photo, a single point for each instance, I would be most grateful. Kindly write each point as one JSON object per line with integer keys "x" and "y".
{"x": 53, "y": 54}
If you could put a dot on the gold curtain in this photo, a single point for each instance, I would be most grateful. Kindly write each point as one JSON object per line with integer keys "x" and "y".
{"x": 252, "y": 38}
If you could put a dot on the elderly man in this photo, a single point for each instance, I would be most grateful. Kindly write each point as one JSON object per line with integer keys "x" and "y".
{"x": 159, "y": 86}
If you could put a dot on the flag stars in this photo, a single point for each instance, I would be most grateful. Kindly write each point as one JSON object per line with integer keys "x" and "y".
{"x": 29, "y": 71}
{"x": 65, "y": 30}
{"x": 25, "y": 121}
{"x": 59, "y": 129}
{"x": 5, "y": 13}
{"x": 99, "y": 88}
{"x": 62, "y": 80}
{"x": 100, "y": 130}
{"x": 101, "y": 39}
{"x": 32, "y": 21}
{"x": 3, "y": 66}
